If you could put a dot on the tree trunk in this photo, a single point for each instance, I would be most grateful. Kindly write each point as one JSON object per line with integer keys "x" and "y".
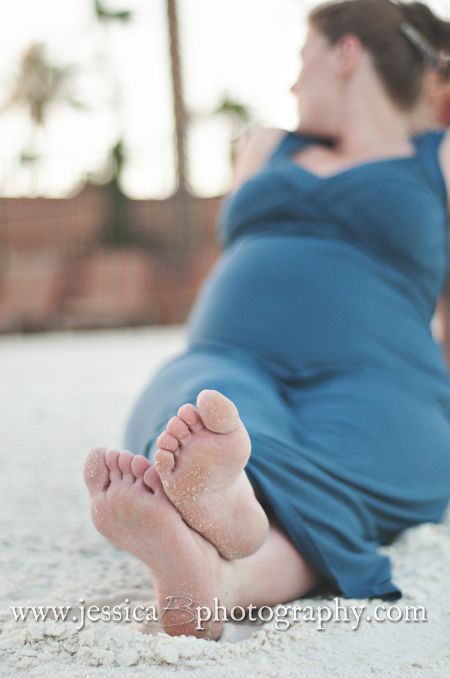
{"x": 182, "y": 196}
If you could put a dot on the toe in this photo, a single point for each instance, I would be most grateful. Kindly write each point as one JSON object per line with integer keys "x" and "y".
{"x": 139, "y": 465}
{"x": 152, "y": 480}
{"x": 189, "y": 414}
{"x": 219, "y": 413}
{"x": 167, "y": 441}
{"x": 112, "y": 458}
{"x": 96, "y": 472}
{"x": 164, "y": 462}
{"x": 124, "y": 461}
{"x": 177, "y": 427}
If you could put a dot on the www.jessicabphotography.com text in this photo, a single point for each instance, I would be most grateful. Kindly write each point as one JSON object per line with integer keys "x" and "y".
{"x": 282, "y": 615}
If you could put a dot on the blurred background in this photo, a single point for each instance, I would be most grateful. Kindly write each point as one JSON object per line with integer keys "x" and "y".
{"x": 118, "y": 127}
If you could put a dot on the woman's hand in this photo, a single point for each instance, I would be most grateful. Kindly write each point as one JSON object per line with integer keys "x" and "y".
{"x": 442, "y": 105}
{"x": 432, "y": 111}
{"x": 443, "y": 323}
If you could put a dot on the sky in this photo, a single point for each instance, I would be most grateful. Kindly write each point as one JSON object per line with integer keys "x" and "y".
{"x": 246, "y": 48}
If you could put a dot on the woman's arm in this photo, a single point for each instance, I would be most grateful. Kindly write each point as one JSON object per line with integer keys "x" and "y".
{"x": 252, "y": 151}
{"x": 443, "y": 306}
{"x": 443, "y": 309}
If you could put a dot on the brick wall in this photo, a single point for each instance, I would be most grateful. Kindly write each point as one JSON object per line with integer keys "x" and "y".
{"x": 56, "y": 271}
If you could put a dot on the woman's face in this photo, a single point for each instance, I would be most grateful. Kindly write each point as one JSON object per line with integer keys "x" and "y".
{"x": 318, "y": 85}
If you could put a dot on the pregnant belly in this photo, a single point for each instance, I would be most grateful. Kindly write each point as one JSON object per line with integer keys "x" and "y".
{"x": 305, "y": 301}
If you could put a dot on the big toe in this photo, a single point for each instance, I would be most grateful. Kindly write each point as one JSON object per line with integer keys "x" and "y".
{"x": 164, "y": 462}
{"x": 96, "y": 473}
{"x": 219, "y": 413}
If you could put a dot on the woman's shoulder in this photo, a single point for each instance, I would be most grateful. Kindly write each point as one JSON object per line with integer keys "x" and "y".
{"x": 261, "y": 134}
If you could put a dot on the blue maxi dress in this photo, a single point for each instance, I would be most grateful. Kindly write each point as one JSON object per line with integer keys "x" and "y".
{"x": 315, "y": 321}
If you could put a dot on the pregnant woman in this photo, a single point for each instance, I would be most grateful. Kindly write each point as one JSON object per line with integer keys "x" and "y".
{"x": 307, "y": 421}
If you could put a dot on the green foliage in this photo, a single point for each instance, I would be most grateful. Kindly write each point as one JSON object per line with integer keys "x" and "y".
{"x": 104, "y": 14}
{"x": 229, "y": 105}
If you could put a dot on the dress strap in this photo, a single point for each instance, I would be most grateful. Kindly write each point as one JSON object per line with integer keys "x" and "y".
{"x": 282, "y": 149}
{"x": 293, "y": 141}
{"x": 428, "y": 145}
{"x": 289, "y": 143}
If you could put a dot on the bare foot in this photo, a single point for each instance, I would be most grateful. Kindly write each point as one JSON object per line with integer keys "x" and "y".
{"x": 200, "y": 459}
{"x": 131, "y": 509}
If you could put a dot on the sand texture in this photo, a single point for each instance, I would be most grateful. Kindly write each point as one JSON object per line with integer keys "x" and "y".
{"x": 61, "y": 395}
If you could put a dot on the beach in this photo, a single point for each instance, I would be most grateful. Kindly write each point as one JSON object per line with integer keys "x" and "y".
{"x": 62, "y": 394}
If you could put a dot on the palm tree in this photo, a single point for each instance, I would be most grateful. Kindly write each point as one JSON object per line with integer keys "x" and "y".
{"x": 106, "y": 19}
{"x": 240, "y": 118}
{"x": 179, "y": 109}
{"x": 116, "y": 229}
{"x": 38, "y": 87}
{"x": 107, "y": 15}
{"x": 182, "y": 198}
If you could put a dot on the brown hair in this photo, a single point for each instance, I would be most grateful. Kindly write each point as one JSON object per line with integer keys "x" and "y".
{"x": 400, "y": 61}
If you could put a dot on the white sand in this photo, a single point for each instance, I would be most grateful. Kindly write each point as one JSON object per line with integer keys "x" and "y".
{"x": 63, "y": 394}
